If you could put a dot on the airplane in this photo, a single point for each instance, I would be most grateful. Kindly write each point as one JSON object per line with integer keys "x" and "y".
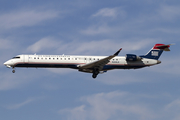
{"x": 90, "y": 64}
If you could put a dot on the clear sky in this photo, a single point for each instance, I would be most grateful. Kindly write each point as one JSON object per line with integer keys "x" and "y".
{"x": 89, "y": 27}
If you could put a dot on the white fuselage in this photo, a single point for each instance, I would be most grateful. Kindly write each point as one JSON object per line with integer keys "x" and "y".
{"x": 90, "y": 64}
{"x": 70, "y": 61}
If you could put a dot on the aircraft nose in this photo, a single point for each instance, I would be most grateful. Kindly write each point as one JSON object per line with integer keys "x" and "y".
{"x": 7, "y": 63}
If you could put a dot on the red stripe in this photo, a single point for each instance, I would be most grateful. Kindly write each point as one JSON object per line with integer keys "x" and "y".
{"x": 78, "y": 64}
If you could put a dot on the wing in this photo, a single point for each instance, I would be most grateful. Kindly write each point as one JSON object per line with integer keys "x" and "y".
{"x": 98, "y": 64}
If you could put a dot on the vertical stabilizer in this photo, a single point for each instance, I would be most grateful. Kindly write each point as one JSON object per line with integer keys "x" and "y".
{"x": 156, "y": 51}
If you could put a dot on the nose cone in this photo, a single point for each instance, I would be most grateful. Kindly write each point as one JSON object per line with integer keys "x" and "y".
{"x": 7, "y": 63}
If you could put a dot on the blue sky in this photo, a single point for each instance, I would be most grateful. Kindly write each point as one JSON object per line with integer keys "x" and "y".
{"x": 91, "y": 27}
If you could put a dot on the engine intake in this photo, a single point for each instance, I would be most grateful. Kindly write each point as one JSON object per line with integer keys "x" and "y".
{"x": 132, "y": 57}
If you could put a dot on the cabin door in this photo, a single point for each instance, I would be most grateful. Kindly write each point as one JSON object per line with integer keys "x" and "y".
{"x": 26, "y": 58}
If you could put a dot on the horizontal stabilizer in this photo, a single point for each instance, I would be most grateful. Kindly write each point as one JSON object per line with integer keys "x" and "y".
{"x": 162, "y": 47}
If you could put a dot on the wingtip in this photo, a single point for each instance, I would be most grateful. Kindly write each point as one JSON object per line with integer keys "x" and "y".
{"x": 117, "y": 52}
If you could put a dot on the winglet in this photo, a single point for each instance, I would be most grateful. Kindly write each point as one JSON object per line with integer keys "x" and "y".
{"x": 117, "y": 52}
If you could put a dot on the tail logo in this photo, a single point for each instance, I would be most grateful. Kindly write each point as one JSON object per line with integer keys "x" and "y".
{"x": 154, "y": 53}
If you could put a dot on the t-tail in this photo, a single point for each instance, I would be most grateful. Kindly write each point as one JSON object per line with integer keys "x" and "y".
{"x": 156, "y": 51}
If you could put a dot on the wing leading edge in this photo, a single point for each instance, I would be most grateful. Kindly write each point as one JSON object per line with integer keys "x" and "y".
{"x": 95, "y": 67}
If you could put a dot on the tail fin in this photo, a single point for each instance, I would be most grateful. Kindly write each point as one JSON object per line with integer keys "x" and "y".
{"x": 156, "y": 51}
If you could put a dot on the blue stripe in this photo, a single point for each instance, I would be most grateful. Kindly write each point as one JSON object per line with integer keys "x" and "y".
{"x": 48, "y": 65}
{"x": 74, "y": 66}
{"x": 109, "y": 67}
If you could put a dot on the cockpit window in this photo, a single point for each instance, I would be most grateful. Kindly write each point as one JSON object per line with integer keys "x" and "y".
{"x": 16, "y": 57}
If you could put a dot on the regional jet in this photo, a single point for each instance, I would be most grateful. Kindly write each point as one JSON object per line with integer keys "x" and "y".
{"x": 89, "y": 64}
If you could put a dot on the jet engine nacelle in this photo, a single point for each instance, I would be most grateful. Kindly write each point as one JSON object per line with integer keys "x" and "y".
{"x": 132, "y": 57}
